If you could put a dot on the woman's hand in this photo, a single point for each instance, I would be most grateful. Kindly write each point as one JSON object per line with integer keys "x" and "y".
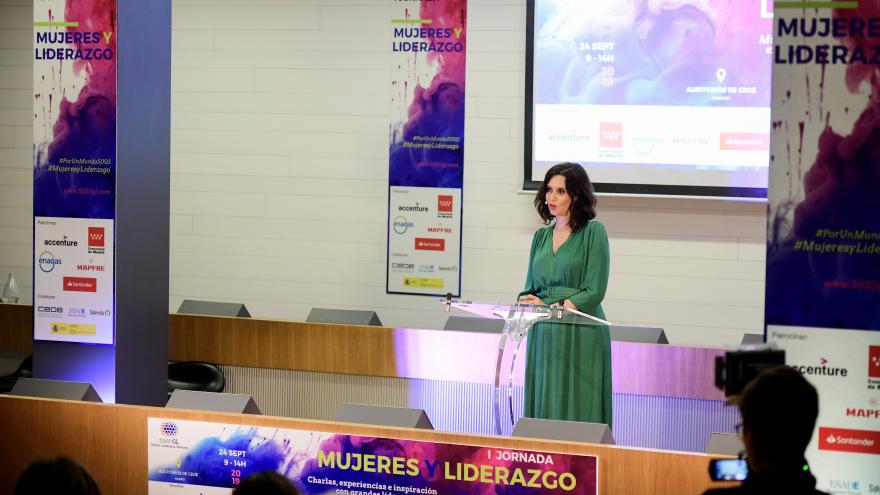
{"x": 568, "y": 304}
{"x": 530, "y": 299}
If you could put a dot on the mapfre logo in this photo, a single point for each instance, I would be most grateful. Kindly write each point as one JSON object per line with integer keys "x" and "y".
{"x": 96, "y": 240}
{"x": 91, "y": 268}
{"x": 857, "y": 412}
{"x": 610, "y": 135}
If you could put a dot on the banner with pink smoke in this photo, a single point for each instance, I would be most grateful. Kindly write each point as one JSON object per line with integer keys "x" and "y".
{"x": 193, "y": 457}
{"x": 823, "y": 240}
{"x": 74, "y": 169}
{"x": 426, "y": 152}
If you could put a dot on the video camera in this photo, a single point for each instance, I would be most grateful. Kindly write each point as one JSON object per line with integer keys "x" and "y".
{"x": 739, "y": 366}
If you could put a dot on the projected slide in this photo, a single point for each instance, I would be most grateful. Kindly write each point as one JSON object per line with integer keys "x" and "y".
{"x": 662, "y": 92}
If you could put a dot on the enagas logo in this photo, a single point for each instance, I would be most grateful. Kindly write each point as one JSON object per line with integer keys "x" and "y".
{"x": 96, "y": 240}
{"x": 444, "y": 206}
{"x": 401, "y": 224}
{"x": 47, "y": 261}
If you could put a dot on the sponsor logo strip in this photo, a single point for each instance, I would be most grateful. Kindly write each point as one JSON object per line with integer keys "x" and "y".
{"x": 423, "y": 283}
{"x": 80, "y": 284}
{"x": 428, "y": 244}
{"x": 846, "y": 440}
{"x": 74, "y": 329}
{"x": 745, "y": 141}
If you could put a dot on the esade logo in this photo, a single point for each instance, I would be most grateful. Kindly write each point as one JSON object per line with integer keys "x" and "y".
{"x": 844, "y": 485}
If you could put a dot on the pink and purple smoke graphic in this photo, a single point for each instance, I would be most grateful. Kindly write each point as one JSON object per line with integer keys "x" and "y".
{"x": 660, "y": 48}
{"x": 436, "y": 112}
{"x": 841, "y": 187}
{"x": 276, "y": 452}
{"x": 84, "y": 132}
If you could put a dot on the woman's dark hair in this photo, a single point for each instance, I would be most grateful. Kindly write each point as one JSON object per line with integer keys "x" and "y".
{"x": 61, "y": 475}
{"x": 266, "y": 483}
{"x": 579, "y": 187}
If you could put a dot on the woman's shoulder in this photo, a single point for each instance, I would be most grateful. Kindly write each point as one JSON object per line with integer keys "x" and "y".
{"x": 594, "y": 227}
{"x": 543, "y": 231}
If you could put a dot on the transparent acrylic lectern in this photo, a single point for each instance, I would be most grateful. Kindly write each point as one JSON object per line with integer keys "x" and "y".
{"x": 518, "y": 319}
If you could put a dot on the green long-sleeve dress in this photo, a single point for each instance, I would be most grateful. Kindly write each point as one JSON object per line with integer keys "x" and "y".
{"x": 568, "y": 367}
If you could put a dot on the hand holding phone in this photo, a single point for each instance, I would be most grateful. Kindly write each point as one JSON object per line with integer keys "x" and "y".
{"x": 728, "y": 469}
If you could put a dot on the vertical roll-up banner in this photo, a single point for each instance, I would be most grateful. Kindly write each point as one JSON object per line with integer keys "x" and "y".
{"x": 823, "y": 253}
{"x": 426, "y": 168}
{"x": 74, "y": 169}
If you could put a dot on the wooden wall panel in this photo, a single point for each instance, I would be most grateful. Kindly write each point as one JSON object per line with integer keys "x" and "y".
{"x": 16, "y": 326}
{"x": 110, "y": 441}
{"x": 643, "y": 369}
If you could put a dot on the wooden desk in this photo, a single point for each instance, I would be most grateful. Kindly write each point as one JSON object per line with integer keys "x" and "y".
{"x": 110, "y": 441}
{"x": 639, "y": 369}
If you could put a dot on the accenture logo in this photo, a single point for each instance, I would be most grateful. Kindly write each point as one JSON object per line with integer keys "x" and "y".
{"x": 60, "y": 242}
{"x": 47, "y": 261}
{"x": 416, "y": 207}
{"x": 821, "y": 370}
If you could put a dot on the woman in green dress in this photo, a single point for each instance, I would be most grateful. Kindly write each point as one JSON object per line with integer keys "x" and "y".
{"x": 568, "y": 367}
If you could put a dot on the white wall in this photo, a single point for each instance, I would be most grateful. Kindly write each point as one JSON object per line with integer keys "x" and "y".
{"x": 279, "y": 166}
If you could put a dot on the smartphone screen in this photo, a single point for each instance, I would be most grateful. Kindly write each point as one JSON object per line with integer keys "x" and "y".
{"x": 728, "y": 469}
